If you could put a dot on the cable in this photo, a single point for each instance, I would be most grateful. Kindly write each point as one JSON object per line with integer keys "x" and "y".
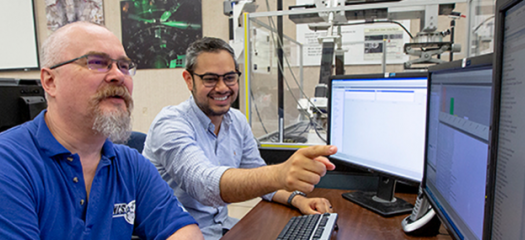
{"x": 281, "y": 66}
{"x": 317, "y": 131}
{"x": 257, "y": 111}
{"x": 272, "y": 25}
{"x": 483, "y": 23}
{"x": 293, "y": 75}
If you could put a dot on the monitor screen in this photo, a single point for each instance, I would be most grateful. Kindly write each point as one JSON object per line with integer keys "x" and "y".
{"x": 509, "y": 120}
{"x": 457, "y": 143}
{"x": 377, "y": 122}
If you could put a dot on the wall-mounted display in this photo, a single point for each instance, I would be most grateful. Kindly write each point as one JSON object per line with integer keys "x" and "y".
{"x": 156, "y": 34}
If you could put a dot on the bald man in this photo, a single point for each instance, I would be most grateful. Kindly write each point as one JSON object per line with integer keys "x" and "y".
{"x": 61, "y": 175}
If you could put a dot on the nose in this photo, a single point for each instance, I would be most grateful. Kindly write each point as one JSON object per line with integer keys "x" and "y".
{"x": 115, "y": 75}
{"x": 221, "y": 84}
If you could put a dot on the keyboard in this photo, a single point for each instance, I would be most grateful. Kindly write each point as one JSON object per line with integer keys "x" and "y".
{"x": 315, "y": 226}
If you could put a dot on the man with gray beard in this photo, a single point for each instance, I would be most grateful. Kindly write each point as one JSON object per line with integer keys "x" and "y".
{"x": 61, "y": 176}
{"x": 117, "y": 124}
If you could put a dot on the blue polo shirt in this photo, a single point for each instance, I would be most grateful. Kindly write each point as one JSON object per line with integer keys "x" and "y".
{"x": 43, "y": 195}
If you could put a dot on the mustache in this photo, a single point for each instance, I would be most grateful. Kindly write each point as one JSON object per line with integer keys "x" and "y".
{"x": 214, "y": 93}
{"x": 115, "y": 91}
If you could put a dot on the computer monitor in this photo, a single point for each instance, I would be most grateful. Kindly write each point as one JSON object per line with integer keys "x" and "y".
{"x": 377, "y": 122}
{"x": 20, "y": 100}
{"x": 457, "y": 144}
{"x": 508, "y": 213}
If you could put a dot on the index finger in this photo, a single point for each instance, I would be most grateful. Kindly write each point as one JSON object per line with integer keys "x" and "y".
{"x": 318, "y": 150}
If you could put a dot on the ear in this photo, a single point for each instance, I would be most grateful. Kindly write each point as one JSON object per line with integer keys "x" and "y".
{"x": 47, "y": 79}
{"x": 189, "y": 80}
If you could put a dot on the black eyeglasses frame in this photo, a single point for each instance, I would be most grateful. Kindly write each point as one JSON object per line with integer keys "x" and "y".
{"x": 201, "y": 76}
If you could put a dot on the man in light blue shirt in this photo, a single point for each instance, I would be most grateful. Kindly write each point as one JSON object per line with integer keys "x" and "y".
{"x": 207, "y": 153}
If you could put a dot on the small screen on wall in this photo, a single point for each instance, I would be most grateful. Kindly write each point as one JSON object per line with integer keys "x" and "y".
{"x": 156, "y": 34}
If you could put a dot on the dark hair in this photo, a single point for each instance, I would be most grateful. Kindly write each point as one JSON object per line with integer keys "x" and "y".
{"x": 206, "y": 44}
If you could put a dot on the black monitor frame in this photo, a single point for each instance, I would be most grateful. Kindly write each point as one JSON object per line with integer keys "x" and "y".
{"x": 21, "y": 100}
{"x": 383, "y": 200}
{"x": 478, "y": 62}
{"x": 502, "y": 6}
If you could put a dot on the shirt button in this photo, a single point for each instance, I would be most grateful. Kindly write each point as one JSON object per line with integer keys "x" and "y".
{"x": 75, "y": 179}
{"x": 70, "y": 159}
{"x": 81, "y": 201}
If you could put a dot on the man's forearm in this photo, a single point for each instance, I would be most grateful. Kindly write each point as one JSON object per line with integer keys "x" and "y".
{"x": 239, "y": 185}
{"x": 189, "y": 232}
{"x": 300, "y": 172}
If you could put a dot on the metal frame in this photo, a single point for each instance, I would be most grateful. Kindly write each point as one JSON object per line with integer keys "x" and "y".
{"x": 397, "y": 8}
{"x": 403, "y": 6}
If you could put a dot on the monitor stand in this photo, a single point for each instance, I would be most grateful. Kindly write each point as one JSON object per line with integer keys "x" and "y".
{"x": 383, "y": 201}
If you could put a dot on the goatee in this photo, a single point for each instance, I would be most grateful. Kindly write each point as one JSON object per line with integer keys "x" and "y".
{"x": 114, "y": 124}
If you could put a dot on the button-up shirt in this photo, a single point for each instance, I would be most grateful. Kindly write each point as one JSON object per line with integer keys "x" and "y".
{"x": 182, "y": 144}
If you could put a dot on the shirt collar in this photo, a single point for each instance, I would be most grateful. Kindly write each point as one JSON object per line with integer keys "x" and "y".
{"x": 51, "y": 147}
{"x": 205, "y": 120}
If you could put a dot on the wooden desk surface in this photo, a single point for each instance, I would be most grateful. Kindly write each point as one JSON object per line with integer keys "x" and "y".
{"x": 266, "y": 220}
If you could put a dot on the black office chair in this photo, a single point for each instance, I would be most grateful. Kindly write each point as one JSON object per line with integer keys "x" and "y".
{"x": 136, "y": 141}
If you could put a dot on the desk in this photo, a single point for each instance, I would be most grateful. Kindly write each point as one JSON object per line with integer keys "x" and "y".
{"x": 266, "y": 220}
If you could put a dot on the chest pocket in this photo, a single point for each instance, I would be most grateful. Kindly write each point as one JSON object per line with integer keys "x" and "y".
{"x": 236, "y": 152}
{"x": 229, "y": 151}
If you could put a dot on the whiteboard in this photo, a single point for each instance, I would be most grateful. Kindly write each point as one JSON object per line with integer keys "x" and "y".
{"x": 18, "y": 45}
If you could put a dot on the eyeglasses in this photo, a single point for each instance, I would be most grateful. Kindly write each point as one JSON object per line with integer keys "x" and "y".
{"x": 102, "y": 63}
{"x": 211, "y": 79}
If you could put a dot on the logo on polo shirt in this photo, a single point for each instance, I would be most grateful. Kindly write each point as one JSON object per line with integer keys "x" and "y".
{"x": 126, "y": 210}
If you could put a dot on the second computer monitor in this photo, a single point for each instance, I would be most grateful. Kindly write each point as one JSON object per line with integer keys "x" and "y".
{"x": 377, "y": 122}
{"x": 457, "y": 145}
{"x": 509, "y": 122}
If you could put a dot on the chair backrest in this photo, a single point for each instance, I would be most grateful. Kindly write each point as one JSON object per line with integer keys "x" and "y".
{"x": 136, "y": 141}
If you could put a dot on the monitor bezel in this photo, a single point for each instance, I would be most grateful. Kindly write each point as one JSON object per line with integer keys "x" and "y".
{"x": 466, "y": 64}
{"x": 502, "y": 6}
{"x": 400, "y": 75}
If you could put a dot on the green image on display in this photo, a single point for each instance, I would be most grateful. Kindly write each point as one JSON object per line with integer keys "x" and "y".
{"x": 156, "y": 34}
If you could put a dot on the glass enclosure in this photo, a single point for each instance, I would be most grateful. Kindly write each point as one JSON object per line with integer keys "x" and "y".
{"x": 285, "y": 94}
{"x": 482, "y": 27}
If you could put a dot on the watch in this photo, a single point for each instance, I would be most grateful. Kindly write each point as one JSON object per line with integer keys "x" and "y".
{"x": 295, "y": 193}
